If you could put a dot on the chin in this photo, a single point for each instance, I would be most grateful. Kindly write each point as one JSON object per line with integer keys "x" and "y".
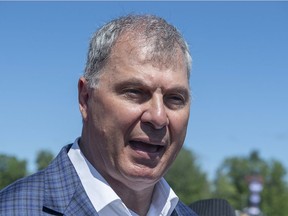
{"x": 144, "y": 175}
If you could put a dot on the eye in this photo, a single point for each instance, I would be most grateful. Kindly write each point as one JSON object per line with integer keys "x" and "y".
{"x": 175, "y": 101}
{"x": 132, "y": 92}
{"x": 137, "y": 95}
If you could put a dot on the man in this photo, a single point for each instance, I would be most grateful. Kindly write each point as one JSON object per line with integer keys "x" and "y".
{"x": 134, "y": 100}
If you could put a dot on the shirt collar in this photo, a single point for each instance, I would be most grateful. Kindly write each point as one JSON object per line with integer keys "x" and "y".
{"x": 164, "y": 199}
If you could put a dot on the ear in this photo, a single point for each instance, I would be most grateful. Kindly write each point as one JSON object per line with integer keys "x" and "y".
{"x": 83, "y": 97}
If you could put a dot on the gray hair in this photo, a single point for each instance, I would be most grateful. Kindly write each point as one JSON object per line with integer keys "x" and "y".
{"x": 163, "y": 38}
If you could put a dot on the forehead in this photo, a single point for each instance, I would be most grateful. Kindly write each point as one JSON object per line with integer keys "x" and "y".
{"x": 131, "y": 60}
{"x": 137, "y": 49}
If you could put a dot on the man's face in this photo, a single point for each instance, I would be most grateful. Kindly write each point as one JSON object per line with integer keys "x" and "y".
{"x": 135, "y": 120}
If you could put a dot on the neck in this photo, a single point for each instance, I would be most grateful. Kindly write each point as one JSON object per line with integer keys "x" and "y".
{"x": 137, "y": 201}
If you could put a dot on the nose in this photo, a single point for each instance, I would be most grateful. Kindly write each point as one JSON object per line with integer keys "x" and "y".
{"x": 155, "y": 113}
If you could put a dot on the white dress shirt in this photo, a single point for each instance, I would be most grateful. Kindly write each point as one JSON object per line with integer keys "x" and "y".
{"x": 105, "y": 201}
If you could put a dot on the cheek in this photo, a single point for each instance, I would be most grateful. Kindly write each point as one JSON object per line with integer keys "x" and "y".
{"x": 116, "y": 122}
{"x": 179, "y": 123}
{"x": 178, "y": 127}
{"x": 125, "y": 118}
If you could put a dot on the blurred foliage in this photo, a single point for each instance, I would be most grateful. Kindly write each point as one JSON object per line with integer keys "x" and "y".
{"x": 231, "y": 183}
{"x": 187, "y": 179}
{"x": 11, "y": 169}
{"x": 43, "y": 159}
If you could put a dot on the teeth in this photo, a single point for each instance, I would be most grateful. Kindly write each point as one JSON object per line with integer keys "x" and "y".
{"x": 145, "y": 146}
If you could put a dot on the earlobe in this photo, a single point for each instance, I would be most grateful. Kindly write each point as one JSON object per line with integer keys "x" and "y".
{"x": 83, "y": 96}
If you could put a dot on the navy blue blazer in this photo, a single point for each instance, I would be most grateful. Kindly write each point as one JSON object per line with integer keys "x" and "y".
{"x": 56, "y": 190}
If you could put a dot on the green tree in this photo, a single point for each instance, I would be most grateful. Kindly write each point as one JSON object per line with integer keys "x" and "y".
{"x": 232, "y": 183}
{"x": 11, "y": 169}
{"x": 187, "y": 179}
{"x": 275, "y": 193}
{"x": 43, "y": 159}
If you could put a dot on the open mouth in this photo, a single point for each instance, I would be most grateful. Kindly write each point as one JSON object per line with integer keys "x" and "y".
{"x": 146, "y": 147}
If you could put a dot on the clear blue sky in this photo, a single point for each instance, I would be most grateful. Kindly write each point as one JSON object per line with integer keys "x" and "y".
{"x": 239, "y": 77}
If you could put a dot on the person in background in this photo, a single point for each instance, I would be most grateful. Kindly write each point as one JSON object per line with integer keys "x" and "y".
{"x": 134, "y": 98}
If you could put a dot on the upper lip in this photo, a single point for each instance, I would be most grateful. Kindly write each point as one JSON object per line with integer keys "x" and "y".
{"x": 150, "y": 141}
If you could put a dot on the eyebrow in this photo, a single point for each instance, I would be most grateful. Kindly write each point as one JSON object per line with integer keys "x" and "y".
{"x": 131, "y": 82}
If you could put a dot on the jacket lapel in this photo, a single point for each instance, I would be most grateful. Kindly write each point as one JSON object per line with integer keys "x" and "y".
{"x": 80, "y": 205}
{"x": 64, "y": 193}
